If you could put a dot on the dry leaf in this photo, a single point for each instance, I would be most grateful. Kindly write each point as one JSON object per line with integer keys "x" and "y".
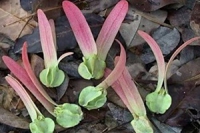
{"x": 52, "y": 9}
{"x": 37, "y": 64}
{"x": 10, "y": 119}
{"x": 195, "y": 19}
{"x": 11, "y": 11}
{"x": 6, "y": 96}
{"x": 100, "y": 5}
{"x": 152, "y": 5}
{"x": 141, "y": 21}
{"x": 185, "y": 73}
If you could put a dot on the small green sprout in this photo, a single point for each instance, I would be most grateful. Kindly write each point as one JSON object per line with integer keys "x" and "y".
{"x": 95, "y": 97}
{"x": 28, "y": 78}
{"x": 128, "y": 92}
{"x": 153, "y": 100}
{"x": 39, "y": 123}
{"x": 94, "y": 54}
{"x": 51, "y": 76}
{"x": 159, "y": 101}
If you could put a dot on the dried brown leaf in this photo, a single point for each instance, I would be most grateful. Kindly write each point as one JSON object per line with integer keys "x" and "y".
{"x": 195, "y": 18}
{"x": 185, "y": 105}
{"x": 11, "y": 11}
{"x": 6, "y": 96}
{"x": 152, "y": 5}
{"x": 185, "y": 73}
{"x": 142, "y": 21}
{"x": 12, "y": 120}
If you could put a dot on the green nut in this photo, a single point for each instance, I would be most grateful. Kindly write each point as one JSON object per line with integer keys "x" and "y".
{"x": 159, "y": 102}
{"x": 42, "y": 125}
{"x": 68, "y": 115}
{"x": 52, "y": 77}
{"x": 92, "y": 97}
{"x": 92, "y": 67}
{"x": 141, "y": 125}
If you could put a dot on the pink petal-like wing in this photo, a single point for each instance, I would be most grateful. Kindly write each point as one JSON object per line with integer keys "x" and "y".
{"x": 80, "y": 28}
{"x": 30, "y": 106}
{"x": 128, "y": 92}
{"x": 32, "y": 76}
{"x": 175, "y": 54}
{"x": 131, "y": 92}
{"x": 118, "y": 89}
{"x": 158, "y": 55}
{"x": 110, "y": 28}
{"x": 53, "y": 30}
{"x": 47, "y": 41}
{"x": 117, "y": 71}
{"x": 22, "y": 75}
